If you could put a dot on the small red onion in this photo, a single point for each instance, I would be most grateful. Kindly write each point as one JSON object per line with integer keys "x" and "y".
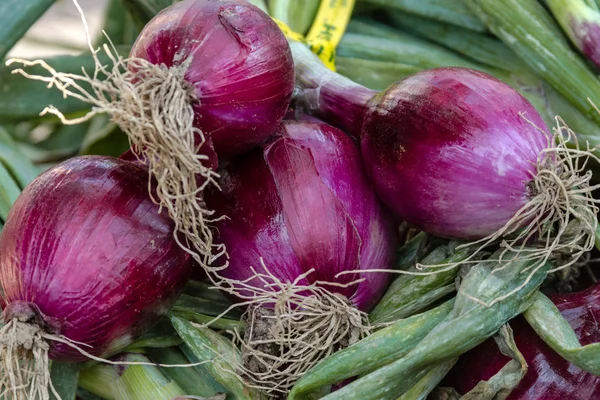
{"x": 85, "y": 254}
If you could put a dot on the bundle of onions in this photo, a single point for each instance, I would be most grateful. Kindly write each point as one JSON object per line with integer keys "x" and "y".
{"x": 302, "y": 210}
{"x": 87, "y": 264}
{"x": 204, "y": 78}
{"x": 460, "y": 154}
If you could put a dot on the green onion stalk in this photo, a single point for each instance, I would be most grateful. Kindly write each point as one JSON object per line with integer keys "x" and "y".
{"x": 452, "y": 12}
{"x": 129, "y": 382}
{"x": 526, "y": 27}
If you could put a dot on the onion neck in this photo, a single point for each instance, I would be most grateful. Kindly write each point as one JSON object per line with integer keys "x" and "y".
{"x": 328, "y": 95}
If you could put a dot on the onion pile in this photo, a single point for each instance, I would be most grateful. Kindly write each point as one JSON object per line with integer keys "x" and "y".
{"x": 205, "y": 79}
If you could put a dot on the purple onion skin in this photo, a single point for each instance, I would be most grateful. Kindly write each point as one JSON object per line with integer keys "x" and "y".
{"x": 85, "y": 249}
{"x": 550, "y": 377}
{"x": 302, "y": 202}
{"x": 241, "y": 69}
{"x": 446, "y": 148}
{"x": 448, "y": 151}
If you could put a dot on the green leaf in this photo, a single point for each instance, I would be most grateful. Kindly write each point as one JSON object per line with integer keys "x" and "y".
{"x": 223, "y": 358}
{"x": 143, "y": 382}
{"x": 206, "y": 291}
{"x": 298, "y": 15}
{"x": 22, "y": 170}
{"x": 85, "y": 395}
{"x": 409, "y": 51}
{"x": 119, "y": 25}
{"x": 104, "y": 138}
{"x": 64, "y": 378}
{"x": 219, "y": 324}
{"x": 508, "y": 378}
{"x": 24, "y": 99}
{"x": 376, "y": 75}
{"x": 98, "y": 379}
{"x": 16, "y": 17}
{"x": 477, "y": 46}
{"x": 9, "y": 191}
{"x": 545, "y": 318}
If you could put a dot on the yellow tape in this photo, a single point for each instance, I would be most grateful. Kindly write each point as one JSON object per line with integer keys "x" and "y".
{"x": 326, "y": 31}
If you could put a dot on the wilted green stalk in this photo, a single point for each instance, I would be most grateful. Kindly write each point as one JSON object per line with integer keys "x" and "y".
{"x": 410, "y": 294}
{"x": 407, "y": 51}
{"x": 190, "y": 381}
{"x": 547, "y": 321}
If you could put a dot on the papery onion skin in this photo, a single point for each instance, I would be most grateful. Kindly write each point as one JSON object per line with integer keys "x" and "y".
{"x": 305, "y": 202}
{"x": 549, "y": 376}
{"x": 241, "y": 69}
{"x": 86, "y": 246}
{"x": 449, "y": 150}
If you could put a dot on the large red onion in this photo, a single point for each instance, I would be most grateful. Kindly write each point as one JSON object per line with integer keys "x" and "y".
{"x": 85, "y": 254}
{"x": 446, "y": 148}
{"x": 302, "y": 203}
{"x": 305, "y": 202}
{"x": 549, "y": 376}
{"x": 240, "y": 69}
{"x": 456, "y": 152}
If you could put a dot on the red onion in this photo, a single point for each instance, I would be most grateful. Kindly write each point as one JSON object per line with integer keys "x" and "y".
{"x": 203, "y": 75}
{"x": 240, "y": 67}
{"x": 85, "y": 256}
{"x": 549, "y": 376}
{"x": 302, "y": 203}
{"x": 457, "y": 153}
